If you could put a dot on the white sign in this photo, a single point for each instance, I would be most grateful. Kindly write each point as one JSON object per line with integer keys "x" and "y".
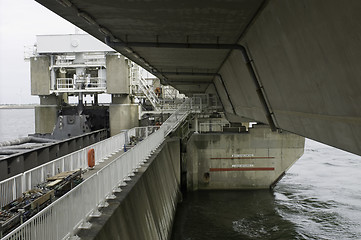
{"x": 243, "y": 155}
{"x": 242, "y": 165}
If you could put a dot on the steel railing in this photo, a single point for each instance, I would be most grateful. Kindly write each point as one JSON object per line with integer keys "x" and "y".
{"x": 92, "y": 83}
{"x": 60, "y": 219}
{"x": 12, "y": 188}
{"x": 64, "y": 83}
{"x": 212, "y": 127}
{"x": 141, "y": 132}
{"x": 149, "y": 93}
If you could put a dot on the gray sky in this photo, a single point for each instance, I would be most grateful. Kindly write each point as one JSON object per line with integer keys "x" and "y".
{"x": 20, "y": 22}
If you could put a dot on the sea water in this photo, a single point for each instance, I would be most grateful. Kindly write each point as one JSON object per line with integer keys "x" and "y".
{"x": 319, "y": 198}
{"x": 15, "y": 123}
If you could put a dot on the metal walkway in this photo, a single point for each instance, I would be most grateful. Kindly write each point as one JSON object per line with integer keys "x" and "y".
{"x": 63, "y": 217}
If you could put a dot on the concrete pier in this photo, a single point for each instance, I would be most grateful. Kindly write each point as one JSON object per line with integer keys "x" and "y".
{"x": 250, "y": 160}
{"x": 46, "y": 115}
{"x": 123, "y": 114}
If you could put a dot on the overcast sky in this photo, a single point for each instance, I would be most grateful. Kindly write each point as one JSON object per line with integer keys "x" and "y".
{"x": 20, "y": 22}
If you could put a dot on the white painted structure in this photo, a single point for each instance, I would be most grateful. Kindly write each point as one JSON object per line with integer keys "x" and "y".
{"x": 70, "y": 43}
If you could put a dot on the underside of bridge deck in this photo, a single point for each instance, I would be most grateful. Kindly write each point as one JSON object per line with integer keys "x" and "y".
{"x": 289, "y": 63}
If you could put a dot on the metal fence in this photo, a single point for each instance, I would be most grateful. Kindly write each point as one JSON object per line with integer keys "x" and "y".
{"x": 64, "y": 83}
{"x": 140, "y": 132}
{"x": 12, "y": 188}
{"x": 211, "y": 127}
{"x": 60, "y": 219}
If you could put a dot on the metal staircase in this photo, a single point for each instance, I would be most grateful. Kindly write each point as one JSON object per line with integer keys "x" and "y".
{"x": 149, "y": 93}
{"x": 142, "y": 89}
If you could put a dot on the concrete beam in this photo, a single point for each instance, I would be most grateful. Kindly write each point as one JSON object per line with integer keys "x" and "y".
{"x": 259, "y": 88}
{"x": 307, "y": 55}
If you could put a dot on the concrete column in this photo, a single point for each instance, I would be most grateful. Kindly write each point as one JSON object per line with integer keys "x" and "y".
{"x": 95, "y": 103}
{"x": 123, "y": 116}
{"x": 40, "y": 75}
{"x": 196, "y": 124}
{"x": 46, "y": 114}
{"x": 64, "y": 96}
{"x": 117, "y": 74}
{"x": 121, "y": 99}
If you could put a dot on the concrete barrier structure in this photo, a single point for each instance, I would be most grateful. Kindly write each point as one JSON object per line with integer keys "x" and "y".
{"x": 256, "y": 159}
{"x": 289, "y": 63}
{"x": 146, "y": 206}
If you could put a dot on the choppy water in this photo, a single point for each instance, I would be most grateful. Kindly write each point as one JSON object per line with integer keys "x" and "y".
{"x": 15, "y": 123}
{"x": 319, "y": 198}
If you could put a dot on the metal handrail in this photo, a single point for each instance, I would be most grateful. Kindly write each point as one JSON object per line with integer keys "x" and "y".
{"x": 12, "y": 188}
{"x": 64, "y": 83}
{"x": 92, "y": 83}
{"x": 207, "y": 127}
{"x": 148, "y": 92}
{"x": 60, "y": 219}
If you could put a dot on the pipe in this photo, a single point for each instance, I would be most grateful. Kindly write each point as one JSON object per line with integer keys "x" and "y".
{"x": 171, "y": 45}
{"x": 215, "y": 87}
{"x": 26, "y": 140}
{"x": 189, "y": 82}
{"x": 15, "y": 142}
{"x": 241, "y": 48}
{"x": 42, "y": 140}
{"x": 52, "y": 74}
{"x": 259, "y": 88}
{"x": 189, "y": 73}
{"x": 225, "y": 89}
{"x": 11, "y": 152}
